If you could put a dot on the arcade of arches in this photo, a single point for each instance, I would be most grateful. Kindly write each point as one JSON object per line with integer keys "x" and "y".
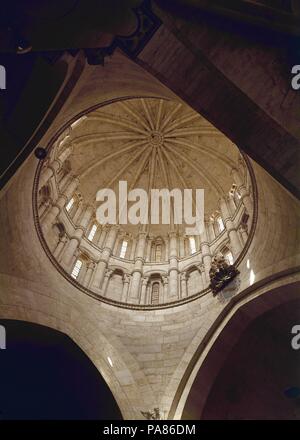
{"x": 136, "y": 298}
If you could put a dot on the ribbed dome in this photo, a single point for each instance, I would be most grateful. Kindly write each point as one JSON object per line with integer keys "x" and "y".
{"x": 150, "y": 143}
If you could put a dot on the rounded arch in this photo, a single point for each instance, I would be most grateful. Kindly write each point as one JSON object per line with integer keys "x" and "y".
{"x": 85, "y": 256}
{"x": 118, "y": 269}
{"x": 48, "y": 387}
{"x": 213, "y": 348}
{"x": 223, "y": 247}
{"x": 91, "y": 338}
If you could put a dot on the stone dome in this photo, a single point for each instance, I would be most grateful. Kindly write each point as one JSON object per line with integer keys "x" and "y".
{"x": 149, "y": 143}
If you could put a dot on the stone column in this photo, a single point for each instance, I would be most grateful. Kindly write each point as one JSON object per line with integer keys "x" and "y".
{"x": 75, "y": 240}
{"x": 49, "y": 171}
{"x": 102, "y": 236}
{"x": 231, "y": 204}
{"x": 181, "y": 247}
{"x": 201, "y": 270}
{"x": 143, "y": 291}
{"x": 106, "y": 281}
{"x": 205, "y": 249}
{"x": 245, "y": 195}
{"x": 166, "y": 288}
{"x": 105, "y": 255}
{"x": 88, "y": 274}
{"x": 230, "y": 227}
{"x": 78, "y": 212}
{"x": 203, "y": 276}
{"x": 73, "y": 261}
{"x": 60, "y": 245}
{"x": 44, "y": 208}
{"x": 183, "y": 283}
{"x": 59, "y": 204}
{"x": 173, "y": 266}
{"x": 212, "y": 234}
{"x": 64, "y": 181}
{"x": 148, "y": 251}
{"x": 138, "y": 266}
{"x": 132, "y": 251}
{"x": 126, "y": 281}
{"x": 116, "y": 246}
{"x": 244, "y": 232}
{"x": 167, "y": 249}
{"x": 82, "y": 273}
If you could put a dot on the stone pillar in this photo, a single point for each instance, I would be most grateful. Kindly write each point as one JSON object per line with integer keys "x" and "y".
{"x": 232, "y": 206}
{"x": 88, "y": 274}
{"x": 132, "y": 251}
{"x": 166, "y": 288}
{"x": 44, "y": 208}
{"x": 143, "y": 291}
{"x": 138, "y": 266}
{"x": 64, "y": 181}
{"x": 205, "y": 249}
{"x": 205, "y": 283}
{"x": 86, "y": 217}
{"x": 126, "y": 281}
{"x": 230, "y": 227}
{"x": 60, "y": 246}
{"x": 105, "y": 255}
{"x": 245, "y": 195}
{"x": 212, "y": 234}
{"x": 102, "y": 237}
{"x": 106, "y": 281}
{"x": 201, "y": 270}
{"x": 82, "y": 273}
{"x": 181, "y": 247}
{"x": 148, "y": 251}
{"x": 244, "y": 232}
{"x": 116, "y": 246}
{"x": 183, "y": 283}
{"x": 59, "y": 204}
{"x": 173, "y": 266}
{"x": 197, "y": 242}
{"x": 167, "y": 249}
{"x": 78, "y": 212}
{"x": 65, "y": 154}
{"x": 49, "y": 171}
{"x": 75, "y": 257}
{"x": 75, "y": 240}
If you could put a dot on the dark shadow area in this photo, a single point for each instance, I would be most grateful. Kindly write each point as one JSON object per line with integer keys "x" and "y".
{"x": 260, "y": 379}
{"x": 45, "y": 375}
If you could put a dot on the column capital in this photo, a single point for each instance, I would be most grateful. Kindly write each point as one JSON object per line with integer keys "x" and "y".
{"x": 108, "y": 273}
{"x": 145, "y": 281}
{"x": 172, "y": 234}
{"x": 126, "y": 278}
{"x": 55, "y": 165}
{"x": 183, "y": 276}
{"x": 243, "y": 227}
{"x": 165, "y": 279}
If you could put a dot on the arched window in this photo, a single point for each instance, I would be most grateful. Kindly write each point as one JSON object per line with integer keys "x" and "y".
{"x": 92, "y": 232}
{"x": 220, "y": 224}
{"x": 158, "y": 252}
{"x": 123, "y": 249}
{"x": 155, "y": 293}
{"x": 76, "y": 269}
{"x": 192, "y": 245}
{"x": 70, "y": 204}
